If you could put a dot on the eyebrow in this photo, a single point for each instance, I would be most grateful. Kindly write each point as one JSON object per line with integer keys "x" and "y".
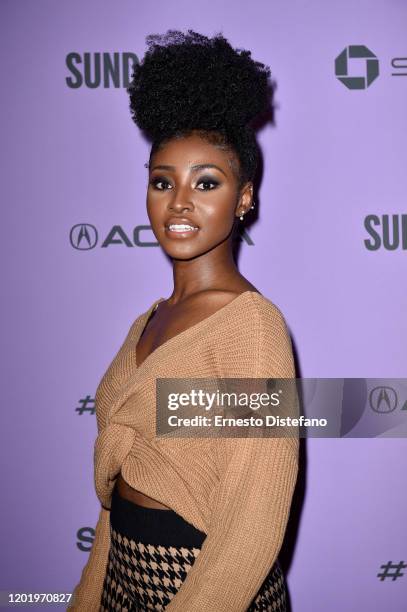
{"x": 194, "y": 168}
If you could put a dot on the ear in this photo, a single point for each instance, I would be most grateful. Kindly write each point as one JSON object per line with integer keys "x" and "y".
{"x": 245, "y": 199}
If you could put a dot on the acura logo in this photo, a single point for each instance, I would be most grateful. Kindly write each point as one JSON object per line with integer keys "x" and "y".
{"x": 383, "y": 399}
{"x": 83, "y": 236}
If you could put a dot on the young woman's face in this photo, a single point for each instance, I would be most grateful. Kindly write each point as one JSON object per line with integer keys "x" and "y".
{"x": 192, "y": 183}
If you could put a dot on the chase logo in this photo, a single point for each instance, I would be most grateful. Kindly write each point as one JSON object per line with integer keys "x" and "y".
{"x": 342, "y": 67}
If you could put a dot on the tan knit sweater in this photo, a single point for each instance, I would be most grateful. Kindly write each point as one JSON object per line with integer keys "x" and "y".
{"x": 236, "y": 490}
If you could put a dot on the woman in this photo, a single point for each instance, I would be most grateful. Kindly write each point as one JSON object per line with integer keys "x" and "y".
{"x": 193, "y": 525}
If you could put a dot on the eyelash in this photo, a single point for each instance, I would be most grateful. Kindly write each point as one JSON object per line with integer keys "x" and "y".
{"x": 204, "y": 179}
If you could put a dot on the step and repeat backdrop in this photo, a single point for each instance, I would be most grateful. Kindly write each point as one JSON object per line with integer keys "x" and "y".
{"x": 327, "y": 244}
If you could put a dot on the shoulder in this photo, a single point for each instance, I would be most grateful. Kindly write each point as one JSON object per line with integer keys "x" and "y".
{"x": 250, "y": 300}
{"x": 251, "y": 335}
{"x": 268, "y": 314}
{"x": 271, "y": 336}
{"x": 257, "y": 314}
{"x": 250, "y": 311}
{"x": 275, "y": 357}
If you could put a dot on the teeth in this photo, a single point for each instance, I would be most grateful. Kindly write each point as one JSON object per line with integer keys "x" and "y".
{"x": 181, "y": 227}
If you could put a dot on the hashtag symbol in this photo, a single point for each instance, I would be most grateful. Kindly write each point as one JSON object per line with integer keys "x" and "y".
{"x": 392, "y": 566}
{"x": 87, "y": 404}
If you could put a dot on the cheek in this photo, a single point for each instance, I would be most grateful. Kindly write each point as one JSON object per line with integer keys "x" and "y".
{"x": 219, "y": 209}
{"x": 156, "y": 208}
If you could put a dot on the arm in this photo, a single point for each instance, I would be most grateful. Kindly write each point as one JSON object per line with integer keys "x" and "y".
{"x": 251, "y": 502}
{"x": 88, "y": 592}
{"x": 250, "y": 513}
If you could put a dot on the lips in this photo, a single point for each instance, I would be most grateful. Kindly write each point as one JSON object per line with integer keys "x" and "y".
{"x": 180, "y": 228}
{"x": 180, "y": 221}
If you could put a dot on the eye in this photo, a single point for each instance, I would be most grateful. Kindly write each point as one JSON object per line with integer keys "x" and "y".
{"x": 207, "y": 180}
{"x": 155, "y": 182}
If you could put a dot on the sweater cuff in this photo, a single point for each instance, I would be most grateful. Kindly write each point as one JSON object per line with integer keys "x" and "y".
{"x": 87, "y": 594}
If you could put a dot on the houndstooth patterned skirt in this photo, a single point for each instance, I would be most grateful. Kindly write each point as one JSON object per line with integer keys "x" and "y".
{"x": 151, "y": 553}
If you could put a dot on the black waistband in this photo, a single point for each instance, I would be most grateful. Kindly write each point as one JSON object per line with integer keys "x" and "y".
{"x": 152, "y": 525}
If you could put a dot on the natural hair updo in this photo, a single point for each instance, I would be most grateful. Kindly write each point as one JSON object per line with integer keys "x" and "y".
{"x": 188, "y": 82}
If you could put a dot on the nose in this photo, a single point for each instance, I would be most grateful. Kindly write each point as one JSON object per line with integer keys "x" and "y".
{"x": 181, "y": 201}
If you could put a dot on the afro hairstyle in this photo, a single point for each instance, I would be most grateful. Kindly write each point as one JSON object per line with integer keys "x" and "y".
{"x": 188, "y": 82}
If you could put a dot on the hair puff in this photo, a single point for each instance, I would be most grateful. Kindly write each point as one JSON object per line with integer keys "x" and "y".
{"x": 187, "y": 81}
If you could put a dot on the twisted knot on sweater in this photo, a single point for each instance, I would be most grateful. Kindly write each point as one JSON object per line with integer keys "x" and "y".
{"x": 112, "y": 446}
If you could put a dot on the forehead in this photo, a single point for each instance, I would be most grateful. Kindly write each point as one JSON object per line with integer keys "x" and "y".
{"x": 186, "y": 151}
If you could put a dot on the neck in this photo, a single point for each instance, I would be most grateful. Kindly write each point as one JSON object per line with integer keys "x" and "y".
{"x": 215, "y": 269}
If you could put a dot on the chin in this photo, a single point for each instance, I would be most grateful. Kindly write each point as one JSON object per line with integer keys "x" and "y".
{"x": 181, "y": 251}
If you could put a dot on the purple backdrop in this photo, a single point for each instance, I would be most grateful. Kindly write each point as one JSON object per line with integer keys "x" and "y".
{"x": 71, "y": 155}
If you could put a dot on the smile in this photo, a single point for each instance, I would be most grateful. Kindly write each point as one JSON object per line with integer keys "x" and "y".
{"x": 181, "y": 228}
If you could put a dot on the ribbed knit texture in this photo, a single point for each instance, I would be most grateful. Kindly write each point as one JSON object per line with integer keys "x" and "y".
{"x": 236, "y": 490}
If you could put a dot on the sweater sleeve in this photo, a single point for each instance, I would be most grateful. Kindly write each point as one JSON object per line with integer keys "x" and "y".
{"x": 251, "y": 502}
{"x": 88, "y": 592}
